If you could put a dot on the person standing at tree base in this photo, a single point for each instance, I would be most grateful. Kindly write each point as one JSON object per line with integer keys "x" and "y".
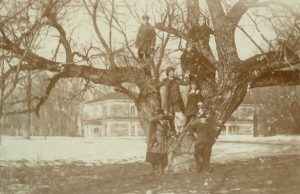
{"x": 157, "y": 146}
{"x": 201, "y": 128}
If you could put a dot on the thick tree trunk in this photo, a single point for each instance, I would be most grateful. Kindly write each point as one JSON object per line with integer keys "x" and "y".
{"x": 220, "y": 109}
{"x": 147, "y": 106}
{"x": 222, "y": 93}
{"x": 220, "y": 103}
{"x": 181, "y": 154}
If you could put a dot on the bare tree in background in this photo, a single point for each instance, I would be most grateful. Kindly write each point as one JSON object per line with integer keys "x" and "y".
{"x": 223, "y": 85}
{"x": 279, "y": 110}
{"x": 8, "y": 82}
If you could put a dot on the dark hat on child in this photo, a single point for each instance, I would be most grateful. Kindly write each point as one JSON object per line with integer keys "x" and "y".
{"x": 169, "y": 69}
{"x": 145, "y": 17}
{"x": 159, "y": 111}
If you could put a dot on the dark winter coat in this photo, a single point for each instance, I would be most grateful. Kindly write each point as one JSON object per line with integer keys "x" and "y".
{"x": 173, "y": 101}
{"x": 189, "y": 61}
{"x": 145, "y": 39}
{"x": 192, "y": 104}
{"x": 194, "y": 62}
{"x": 203, "y": 131}
{"x": 157, "y": 155}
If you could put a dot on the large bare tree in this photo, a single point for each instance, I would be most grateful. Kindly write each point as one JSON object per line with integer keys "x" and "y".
{"x": 223, "y": 86}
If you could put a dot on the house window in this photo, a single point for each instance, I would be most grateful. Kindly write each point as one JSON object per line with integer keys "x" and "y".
{"x": 233, "y": 130}
{"x": 245, "y": 113}
{"x": 132, "y": 130}
{"x": 132, "y": 110}
{"x": 104, "y": 111}
{"x": 115, "y": 110}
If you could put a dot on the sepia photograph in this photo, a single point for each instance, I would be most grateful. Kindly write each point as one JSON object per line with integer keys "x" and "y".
{"x": 149, "y": 96}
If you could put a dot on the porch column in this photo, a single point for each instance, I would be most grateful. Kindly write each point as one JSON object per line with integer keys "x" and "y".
{"x": 227, "y": 130}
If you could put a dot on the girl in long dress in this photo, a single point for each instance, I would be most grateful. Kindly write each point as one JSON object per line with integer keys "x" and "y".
{"x": 157, "y": 152}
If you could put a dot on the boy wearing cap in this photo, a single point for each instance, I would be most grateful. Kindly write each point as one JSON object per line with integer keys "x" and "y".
{"x": 201, "y": 127}
{"x": 145, "y": 40}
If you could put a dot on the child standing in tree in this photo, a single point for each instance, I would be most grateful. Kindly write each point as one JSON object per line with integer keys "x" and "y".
{"x": 194, "y": 62}
{"x": 194, "y": 96}
{"x": 172, "y": 101}
{"x": 190, "y": 61}
{"x": 145, "y": 42}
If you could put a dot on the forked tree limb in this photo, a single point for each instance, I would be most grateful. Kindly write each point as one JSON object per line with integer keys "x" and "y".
{"x": 63, "y": 37}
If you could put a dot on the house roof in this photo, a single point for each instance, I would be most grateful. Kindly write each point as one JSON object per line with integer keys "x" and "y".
{"x": 109, "y": 96}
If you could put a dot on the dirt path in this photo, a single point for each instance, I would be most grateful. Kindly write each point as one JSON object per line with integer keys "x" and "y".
{"x": 265, "y": 175}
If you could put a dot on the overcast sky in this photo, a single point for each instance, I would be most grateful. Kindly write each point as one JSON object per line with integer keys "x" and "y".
{"x": 83, "y": 33}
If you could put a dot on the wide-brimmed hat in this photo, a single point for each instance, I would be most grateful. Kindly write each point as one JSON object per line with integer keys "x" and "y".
{"x": 145, "y": 17}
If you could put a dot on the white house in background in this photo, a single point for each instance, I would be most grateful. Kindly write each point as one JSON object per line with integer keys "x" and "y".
{"x": 242, "y": 121}
{"x": 112, "y": 114}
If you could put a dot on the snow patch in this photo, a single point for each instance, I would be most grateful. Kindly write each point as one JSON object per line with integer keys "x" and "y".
{"x": 98, "y": 151}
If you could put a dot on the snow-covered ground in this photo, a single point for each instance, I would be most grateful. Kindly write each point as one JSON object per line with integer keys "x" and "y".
{"x": 104, "y": 150}
{"x": 121, "y": 150}
{"x": 271, "y": 139}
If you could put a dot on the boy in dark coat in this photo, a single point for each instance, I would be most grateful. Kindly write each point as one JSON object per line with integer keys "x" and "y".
{"x": 194, "y": 63}
{"x": 194, "y": 96}
{"x": 189, "y": 59}
{"x": 201, "y": 127}
{"x": 145, "y": 42}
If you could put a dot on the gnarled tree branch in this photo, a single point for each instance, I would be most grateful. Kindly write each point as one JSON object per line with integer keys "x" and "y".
{"x": 63, "y": 36}
{"x": 100, "y": 37}
{"x": 270, "y": 61}
{"x": 171, "y": 30}
{"x": 278, "y": 78}
{"x": 242, "y": 6}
